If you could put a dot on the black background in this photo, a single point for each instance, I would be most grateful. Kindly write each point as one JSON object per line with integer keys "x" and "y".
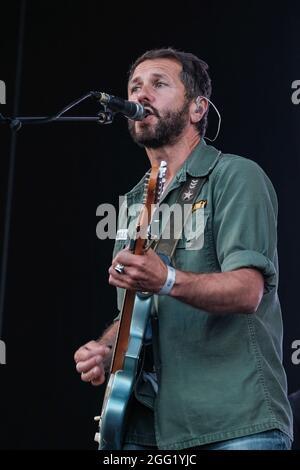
{"x": 57, "y": 294}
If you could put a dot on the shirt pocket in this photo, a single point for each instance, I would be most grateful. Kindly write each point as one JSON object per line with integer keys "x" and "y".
{"x": 194, "y": 230}
{"x": 195, "y": 247}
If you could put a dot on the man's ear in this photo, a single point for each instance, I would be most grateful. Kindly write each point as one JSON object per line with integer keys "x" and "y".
{"x": 199, "y": 108}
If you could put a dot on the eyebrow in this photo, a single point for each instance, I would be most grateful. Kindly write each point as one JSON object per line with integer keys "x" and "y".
{"x": 153, "y": 75}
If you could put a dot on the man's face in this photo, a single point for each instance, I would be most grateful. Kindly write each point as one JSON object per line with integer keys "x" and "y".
{"x": 157, "y": 86}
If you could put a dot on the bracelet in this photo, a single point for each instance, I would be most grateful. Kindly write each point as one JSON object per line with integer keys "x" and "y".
{"x": 171, "y": 277}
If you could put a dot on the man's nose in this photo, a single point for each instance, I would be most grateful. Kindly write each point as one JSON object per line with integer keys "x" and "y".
{"x": 144, "y": 95}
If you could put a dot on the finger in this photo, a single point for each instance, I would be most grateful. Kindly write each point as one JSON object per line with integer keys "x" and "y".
{"x": 89, "y": 350}
{"x": 97, "y": 373}
{"x": 112, "y": 271}
{"x": 127, "y": 258}
{"x": 85, "y": 366}
{"x": 129, "y": 274}
{"x": 99, "y": 381}
{"x": 123, "y": 283}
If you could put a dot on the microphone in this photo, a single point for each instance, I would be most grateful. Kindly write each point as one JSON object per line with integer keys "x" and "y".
{"x": 130, "y": 109}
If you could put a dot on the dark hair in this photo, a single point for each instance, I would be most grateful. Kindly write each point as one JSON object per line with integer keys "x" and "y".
{"x": 194, "y": 75}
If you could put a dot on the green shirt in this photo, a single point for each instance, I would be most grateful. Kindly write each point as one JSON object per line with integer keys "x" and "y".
{"x": 221, "y": 374}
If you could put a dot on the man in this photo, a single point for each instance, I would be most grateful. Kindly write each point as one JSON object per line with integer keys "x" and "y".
{"x": 222, "y": 384}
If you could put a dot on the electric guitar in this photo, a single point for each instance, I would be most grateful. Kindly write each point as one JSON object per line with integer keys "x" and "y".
{"x": 131, "y": 331}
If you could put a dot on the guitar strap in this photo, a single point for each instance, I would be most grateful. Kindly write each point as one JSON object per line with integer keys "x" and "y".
{"x": 166, "y": 245}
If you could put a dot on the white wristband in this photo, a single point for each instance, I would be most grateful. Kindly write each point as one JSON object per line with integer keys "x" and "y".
{"x": 171, "y": 277}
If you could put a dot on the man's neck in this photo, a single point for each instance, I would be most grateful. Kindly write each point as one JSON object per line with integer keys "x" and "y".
{"x": 175, "y": 155}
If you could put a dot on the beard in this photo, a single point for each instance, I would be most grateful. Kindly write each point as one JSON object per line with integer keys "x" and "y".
{"x": 165, "y": 131}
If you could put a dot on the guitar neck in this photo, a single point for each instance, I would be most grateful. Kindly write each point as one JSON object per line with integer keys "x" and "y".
{"x": 154, "y": 188}
{"x": 122, "y": 339}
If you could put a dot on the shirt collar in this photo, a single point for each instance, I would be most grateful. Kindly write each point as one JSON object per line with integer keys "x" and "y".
{"x": 199, "y": 163}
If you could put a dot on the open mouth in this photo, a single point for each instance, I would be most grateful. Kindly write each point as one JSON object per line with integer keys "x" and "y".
{"x": 148, "y": 112}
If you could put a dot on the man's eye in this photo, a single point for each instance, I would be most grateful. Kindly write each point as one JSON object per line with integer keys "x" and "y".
{"x": 134, "y": 89}
{"x": 159, "y": 84}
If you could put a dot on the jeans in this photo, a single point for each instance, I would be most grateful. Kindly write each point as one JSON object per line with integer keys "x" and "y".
{"x": 268, "y": 440}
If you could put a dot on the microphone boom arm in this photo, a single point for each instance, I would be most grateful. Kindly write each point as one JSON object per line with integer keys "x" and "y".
{"x": 103, "y": 117}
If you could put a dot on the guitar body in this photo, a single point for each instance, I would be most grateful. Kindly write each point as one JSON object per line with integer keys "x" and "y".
{"x": 121, "y": 383}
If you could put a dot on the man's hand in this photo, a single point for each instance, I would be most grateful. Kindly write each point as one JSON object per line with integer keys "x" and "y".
{"x": 145, "y": 272}
{"x": 91, "y": 361}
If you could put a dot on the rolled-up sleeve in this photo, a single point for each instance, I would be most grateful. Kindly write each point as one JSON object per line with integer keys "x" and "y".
{"x": 245, "y": 219}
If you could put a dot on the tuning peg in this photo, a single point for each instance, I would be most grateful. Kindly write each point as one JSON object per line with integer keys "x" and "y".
{"x": 97, "y": 418}
{"x": 97, "y": 437}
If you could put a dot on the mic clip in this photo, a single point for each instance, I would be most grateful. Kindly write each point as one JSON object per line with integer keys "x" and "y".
{"x": 106, "y": 116}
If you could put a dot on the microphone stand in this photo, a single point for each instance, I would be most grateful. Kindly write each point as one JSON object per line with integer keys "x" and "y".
{"x": 103, "y": 117}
